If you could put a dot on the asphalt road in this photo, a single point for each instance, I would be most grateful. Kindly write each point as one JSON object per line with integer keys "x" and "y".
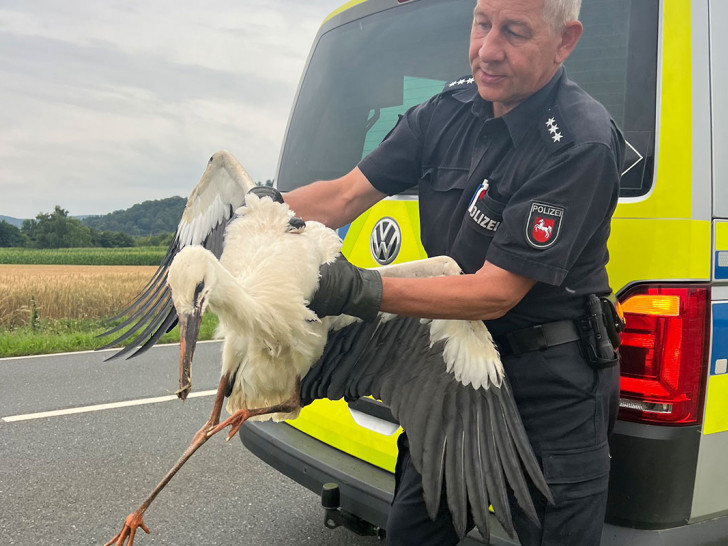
{"x": 72, "y": 478}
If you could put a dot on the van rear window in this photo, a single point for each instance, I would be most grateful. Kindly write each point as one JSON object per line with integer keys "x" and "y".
{"x": 364, "y": 73}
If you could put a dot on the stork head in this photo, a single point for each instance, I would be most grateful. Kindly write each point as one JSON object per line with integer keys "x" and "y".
{"x": 190, "y": 278}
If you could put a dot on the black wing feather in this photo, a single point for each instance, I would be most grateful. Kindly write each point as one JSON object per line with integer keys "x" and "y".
{"x": 471, "y": 441}
{"x": 152, "y": 314}
{"x": 455, "y": 466}
{"x": 433, "y": 453}
{"x": 518, "y": 434}
{"x": 475, "y": 472}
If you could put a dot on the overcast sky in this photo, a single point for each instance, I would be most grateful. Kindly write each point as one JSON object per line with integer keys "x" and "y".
{"x": 108, "y": 103}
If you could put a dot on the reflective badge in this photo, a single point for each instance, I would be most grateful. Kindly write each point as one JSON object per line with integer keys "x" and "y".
{"x": 543, "y": 225}
{"x": 478, "y": 211}
{"x": 479, "y": 193}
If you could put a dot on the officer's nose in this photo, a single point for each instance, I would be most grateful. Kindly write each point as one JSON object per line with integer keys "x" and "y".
{"x": 491, "y": 47}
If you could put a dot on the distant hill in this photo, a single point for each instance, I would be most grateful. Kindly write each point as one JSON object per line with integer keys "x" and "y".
{"x": 142, "y": 219}
{"x": 17, "y": 222}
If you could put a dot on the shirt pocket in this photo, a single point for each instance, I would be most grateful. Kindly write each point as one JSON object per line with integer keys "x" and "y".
{"x": 440, "y": 191}
{"x": 484, "y": 212}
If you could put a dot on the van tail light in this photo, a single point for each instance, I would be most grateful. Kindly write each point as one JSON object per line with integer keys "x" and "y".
{"x": 664, "y": 353}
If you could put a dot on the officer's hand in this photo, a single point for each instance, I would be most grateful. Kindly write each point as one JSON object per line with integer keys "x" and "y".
{"x": 345, "y": 289}
{"x": 267, "y": 191}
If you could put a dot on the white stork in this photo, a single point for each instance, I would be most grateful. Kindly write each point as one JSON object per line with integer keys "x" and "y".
{"x": 442, "y": 379}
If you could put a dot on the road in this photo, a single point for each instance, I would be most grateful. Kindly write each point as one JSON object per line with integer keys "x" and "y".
{"x": 72, "y": 478}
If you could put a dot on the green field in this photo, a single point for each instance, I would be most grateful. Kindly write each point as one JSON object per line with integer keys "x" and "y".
{"x": 60, "y": 336}
{"x": 142, "y": 255}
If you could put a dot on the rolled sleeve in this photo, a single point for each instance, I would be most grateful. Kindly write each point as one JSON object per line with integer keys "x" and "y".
{"x": 582, "y": 182}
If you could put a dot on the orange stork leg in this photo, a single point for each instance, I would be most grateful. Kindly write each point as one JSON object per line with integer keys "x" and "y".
{"x": 136, "y": 519}
{"x": 236, "y": 420}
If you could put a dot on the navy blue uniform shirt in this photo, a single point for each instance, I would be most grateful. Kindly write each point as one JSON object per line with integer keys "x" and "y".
{"x": 532, "y": 191}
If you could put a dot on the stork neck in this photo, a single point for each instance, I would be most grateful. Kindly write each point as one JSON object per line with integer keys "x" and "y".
{"x": 227, "y": 297}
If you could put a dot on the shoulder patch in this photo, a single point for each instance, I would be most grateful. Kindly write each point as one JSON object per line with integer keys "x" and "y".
{"x": 461, "y": 83}
{"x": 553, "y": 130}
{"x": 543, "y": 224}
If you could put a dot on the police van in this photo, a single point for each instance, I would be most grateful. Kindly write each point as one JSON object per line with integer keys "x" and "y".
{"x": 660, "y": 69}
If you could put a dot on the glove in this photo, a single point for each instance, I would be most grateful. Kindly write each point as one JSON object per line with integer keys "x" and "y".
{"x": 267, "y": 191}
{"x": 345, "y": 289}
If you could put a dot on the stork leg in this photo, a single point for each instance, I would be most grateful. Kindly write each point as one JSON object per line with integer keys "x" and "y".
{"x": 136, "y": 519}
{"x": 237, "y": 419}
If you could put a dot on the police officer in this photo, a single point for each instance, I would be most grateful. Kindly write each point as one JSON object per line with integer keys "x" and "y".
{"x": 518, "y": 171}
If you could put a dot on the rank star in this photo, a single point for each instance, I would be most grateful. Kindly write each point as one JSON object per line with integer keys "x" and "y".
{"x": 470, "y": 80}
{"x": 553, "y": 129}
{"x": 557, "y": 137}
{"x": 551, "y": 122}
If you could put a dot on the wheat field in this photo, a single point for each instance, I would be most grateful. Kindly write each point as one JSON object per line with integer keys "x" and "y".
{"x": 67, "y": 291}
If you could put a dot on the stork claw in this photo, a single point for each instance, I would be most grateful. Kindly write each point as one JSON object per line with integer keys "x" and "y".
{"x": 131, "y": 524}
{"x": 235, "y": 421}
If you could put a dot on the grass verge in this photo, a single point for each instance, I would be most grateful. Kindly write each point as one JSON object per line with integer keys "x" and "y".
{"x": 69, "y": 335}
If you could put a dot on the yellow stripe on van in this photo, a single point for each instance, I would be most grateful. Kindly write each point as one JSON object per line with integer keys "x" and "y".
{"x": 721, "y": 235}
{"x": 672, "y": 194}
{"x": 343, "y": 8}
{"x": 716, "y": 405}
{"x": 653, "y": 249}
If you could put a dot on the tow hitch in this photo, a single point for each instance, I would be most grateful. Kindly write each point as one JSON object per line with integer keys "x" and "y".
{"x": 335, "y": 517}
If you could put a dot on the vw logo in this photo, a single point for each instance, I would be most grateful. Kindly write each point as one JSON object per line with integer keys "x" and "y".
{"x": 385, "y": 241}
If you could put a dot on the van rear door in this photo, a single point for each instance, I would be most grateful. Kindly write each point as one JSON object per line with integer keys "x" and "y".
{"x": 711, "y": 481}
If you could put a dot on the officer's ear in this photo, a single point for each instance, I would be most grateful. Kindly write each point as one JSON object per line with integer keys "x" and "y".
{"x": 570, "y": 34}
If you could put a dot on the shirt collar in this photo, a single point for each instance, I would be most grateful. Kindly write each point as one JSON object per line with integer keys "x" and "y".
{"x": 520, "y": 119}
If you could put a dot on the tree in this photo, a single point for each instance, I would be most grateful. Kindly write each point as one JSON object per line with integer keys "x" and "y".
{"x": 111, "y": 239}
{"x": 56, "y": 230}
{"x": 142, "y": 219}
{"x": 10, "y": 235}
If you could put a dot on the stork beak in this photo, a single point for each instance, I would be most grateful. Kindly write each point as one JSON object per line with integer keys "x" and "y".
{"x": 189, "y": 329}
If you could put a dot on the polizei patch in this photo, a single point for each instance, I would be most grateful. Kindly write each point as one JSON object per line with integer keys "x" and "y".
{"x": 543, "y": 225}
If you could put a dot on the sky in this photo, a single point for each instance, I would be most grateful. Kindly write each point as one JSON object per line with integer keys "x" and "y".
{"x": 108, "y": 103}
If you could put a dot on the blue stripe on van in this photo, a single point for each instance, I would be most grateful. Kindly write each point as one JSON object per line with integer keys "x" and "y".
{"x": 721, "y": 264}
{"x": 718, "y": 364}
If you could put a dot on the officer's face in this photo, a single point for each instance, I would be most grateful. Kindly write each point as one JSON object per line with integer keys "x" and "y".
{"x": 513, "y": 53}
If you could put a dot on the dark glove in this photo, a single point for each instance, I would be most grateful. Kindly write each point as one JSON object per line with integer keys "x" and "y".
{"x": 345, "y": 289}
{"x": 267, "y": 191}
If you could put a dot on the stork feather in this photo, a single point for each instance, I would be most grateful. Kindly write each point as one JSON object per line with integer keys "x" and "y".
{"x": 209, "y": 209}
{"x": 442, "y": 379}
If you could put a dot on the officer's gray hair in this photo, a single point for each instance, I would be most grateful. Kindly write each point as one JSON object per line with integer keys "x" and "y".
{"x": 557, "y": 13}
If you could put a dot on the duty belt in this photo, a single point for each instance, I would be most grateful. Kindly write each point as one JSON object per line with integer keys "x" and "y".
{"x": 537, "y": 338}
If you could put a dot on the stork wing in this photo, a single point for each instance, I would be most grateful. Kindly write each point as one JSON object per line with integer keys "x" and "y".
{"x": 209, "y": 208}
{"x": 452, "y": 400}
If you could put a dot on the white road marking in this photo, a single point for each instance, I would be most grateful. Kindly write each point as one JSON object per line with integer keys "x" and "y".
{"x": 97, "y": 351}
{"x": 100, "y": 407}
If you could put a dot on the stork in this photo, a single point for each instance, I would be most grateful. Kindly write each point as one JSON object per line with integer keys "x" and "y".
{"x": 442, "y": 379}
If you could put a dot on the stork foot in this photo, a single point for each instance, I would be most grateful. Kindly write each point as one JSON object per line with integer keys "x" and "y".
{"x": 131, "y": 524}
{"x": 235, "y": 421}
